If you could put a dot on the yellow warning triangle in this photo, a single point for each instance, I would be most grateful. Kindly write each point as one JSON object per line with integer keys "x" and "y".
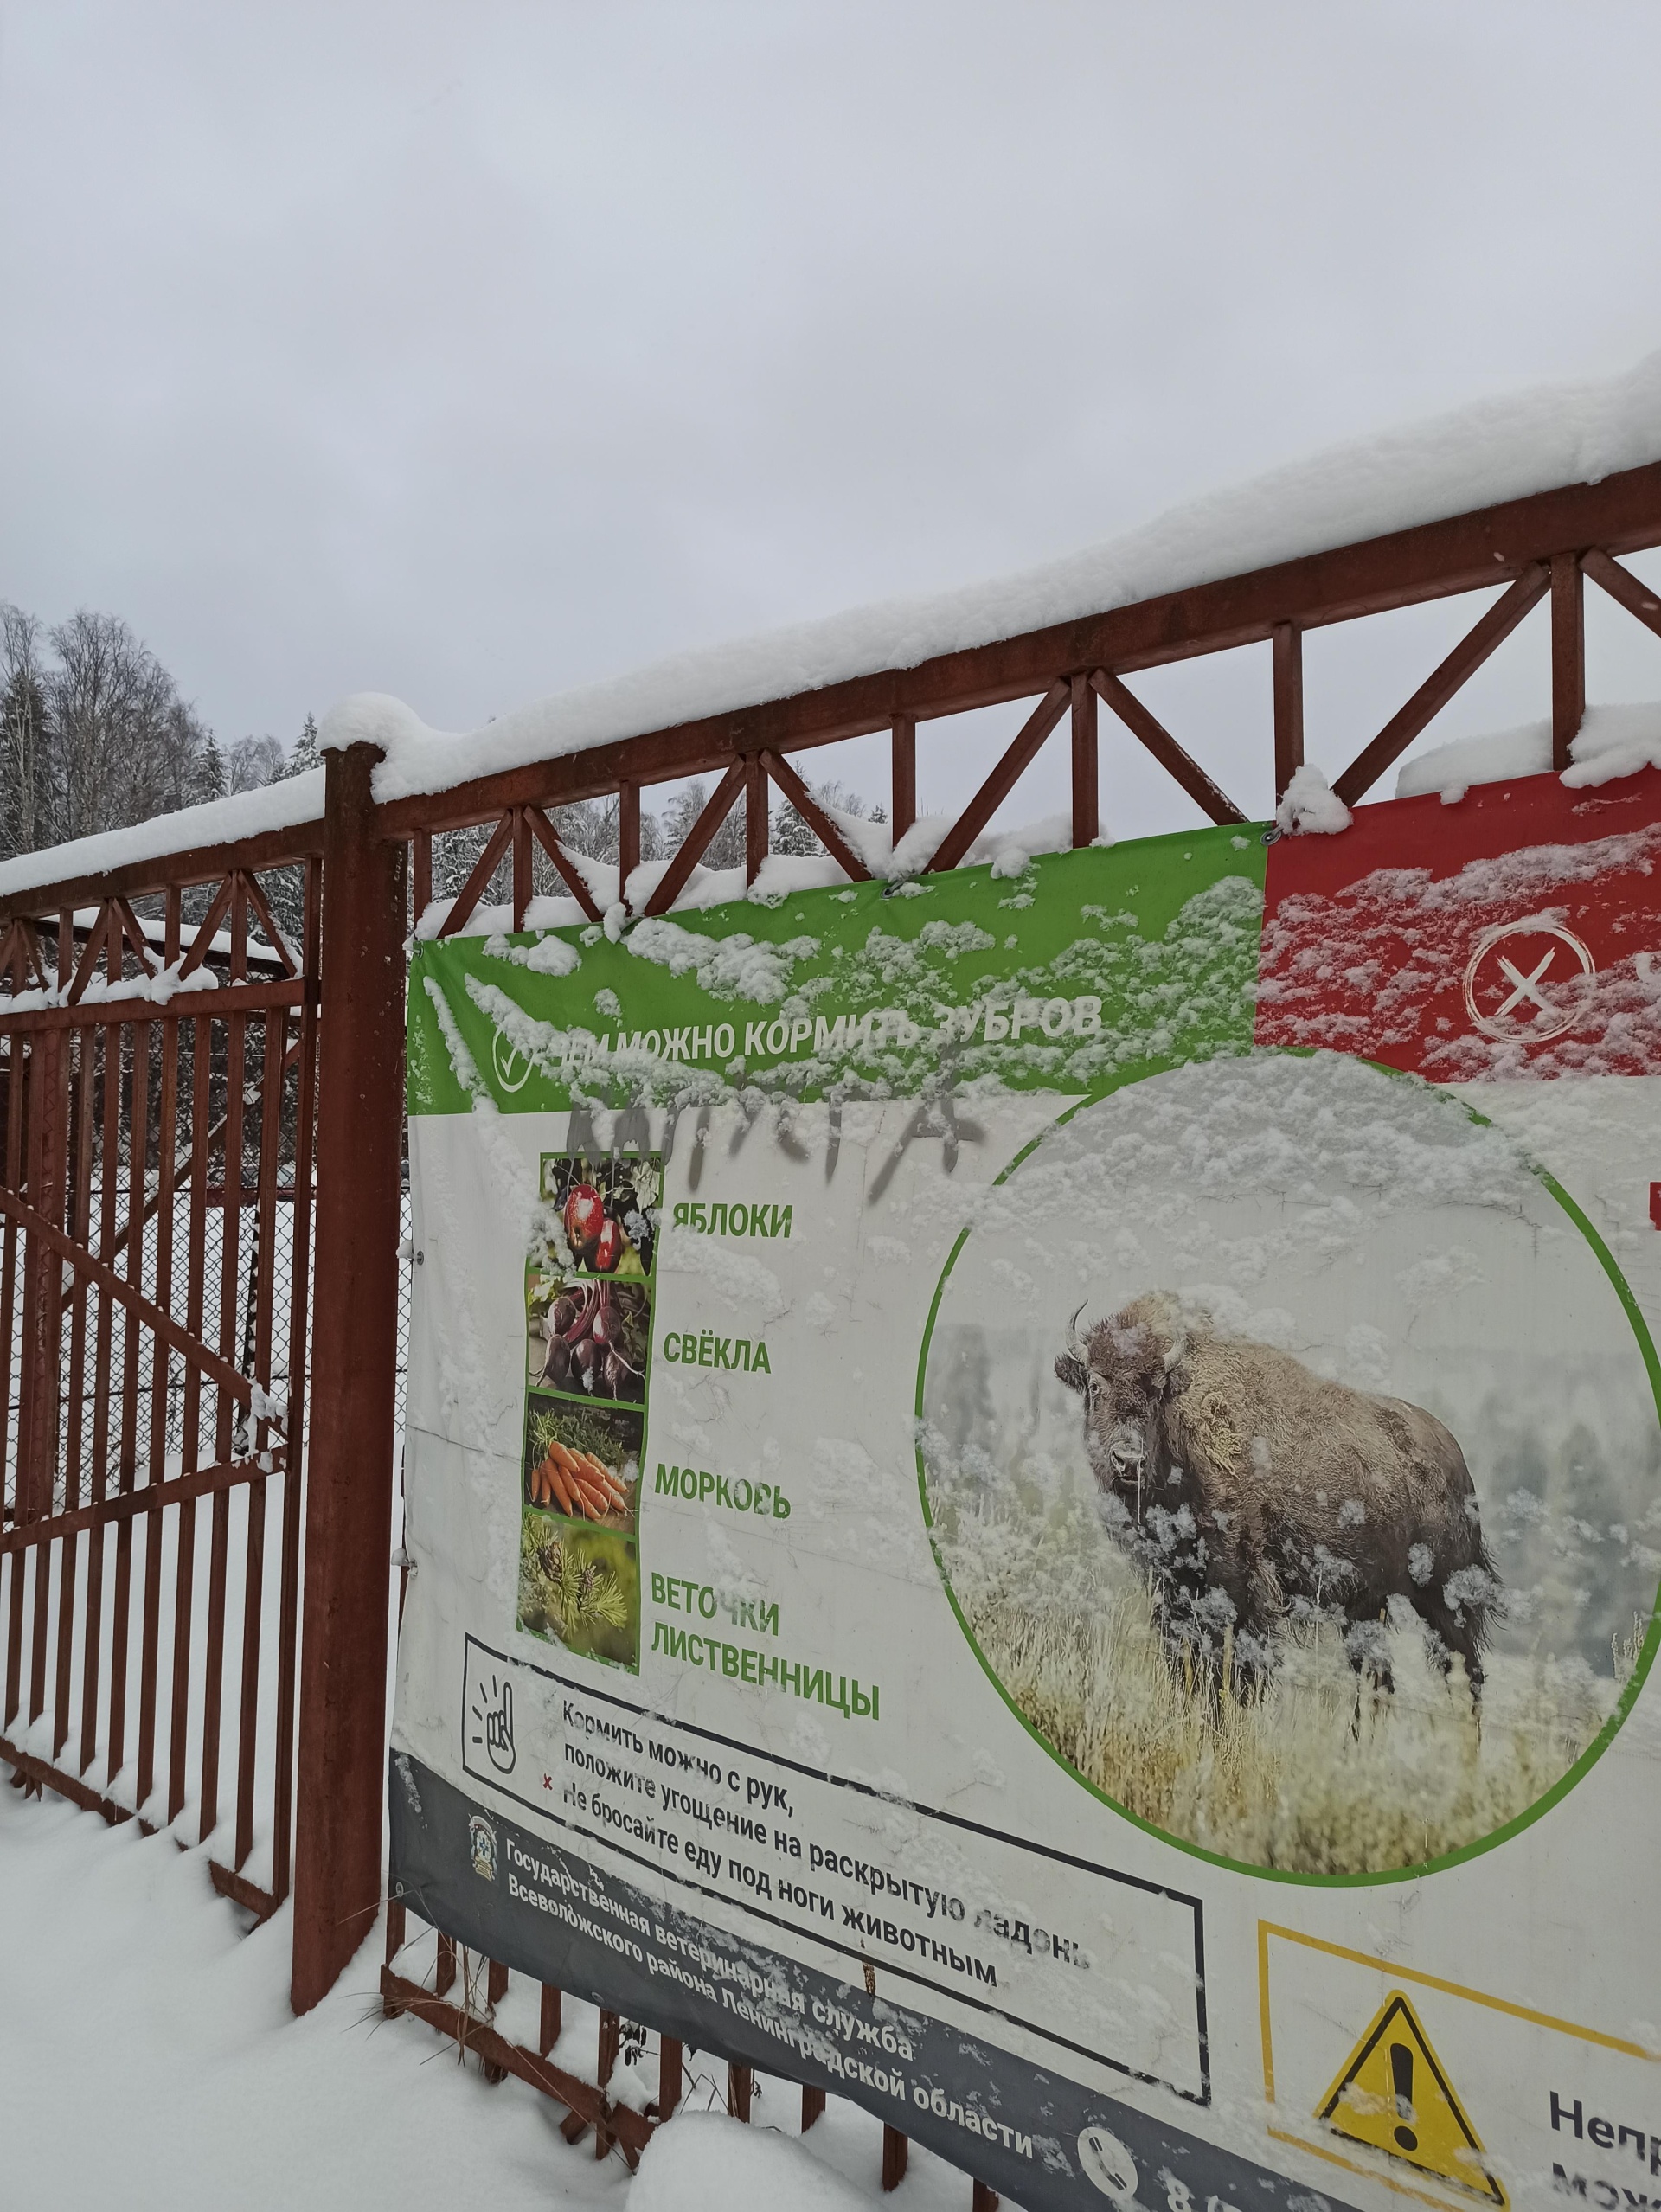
{"x": 1393, "y": 2094}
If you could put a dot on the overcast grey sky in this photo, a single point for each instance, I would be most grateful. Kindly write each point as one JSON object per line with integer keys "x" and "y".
{"x": 469, "y": 352}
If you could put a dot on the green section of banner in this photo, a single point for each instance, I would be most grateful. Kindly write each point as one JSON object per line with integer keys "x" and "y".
{"x": 1062, "y": 978}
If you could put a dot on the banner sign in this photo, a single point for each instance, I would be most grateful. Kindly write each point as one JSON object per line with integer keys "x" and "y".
{"x": 1037, "y": 1499}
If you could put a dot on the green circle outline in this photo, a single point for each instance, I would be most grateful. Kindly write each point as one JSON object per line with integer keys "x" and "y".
{"x": 1606, "y": 1735}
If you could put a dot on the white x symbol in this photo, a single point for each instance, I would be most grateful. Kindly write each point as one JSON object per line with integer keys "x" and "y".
{"x": 1543, "y": 1018}
{"x": 1525, "y": 986}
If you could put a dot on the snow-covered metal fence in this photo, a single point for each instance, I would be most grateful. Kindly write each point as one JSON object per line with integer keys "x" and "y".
{"x": 155, "y": 1290}
{"x": 197, "y": 1423}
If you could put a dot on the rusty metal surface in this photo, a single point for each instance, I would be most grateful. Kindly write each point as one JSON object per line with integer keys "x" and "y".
{"x": 150, "y": 1334}
{"x": 586, "y": 2103}
{"x": 341, "y": 1773}
{"x": 1483, "y": 639}
{"x": 1465, "y": 553}
{"x": 896, "y": 2151}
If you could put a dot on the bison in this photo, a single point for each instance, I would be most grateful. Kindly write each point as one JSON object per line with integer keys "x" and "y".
{"x": 1255, "y": 1495}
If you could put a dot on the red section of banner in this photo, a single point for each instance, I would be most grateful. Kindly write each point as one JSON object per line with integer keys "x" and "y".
{"x": 1516, "y": 932}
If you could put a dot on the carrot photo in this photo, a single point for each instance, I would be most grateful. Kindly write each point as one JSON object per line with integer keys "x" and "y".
{"x": 579, "y": 1572}
{"x": 582, "y": 1462}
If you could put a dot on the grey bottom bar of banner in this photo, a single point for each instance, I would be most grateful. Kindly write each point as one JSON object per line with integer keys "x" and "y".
{"x": 1031, "y": 2134}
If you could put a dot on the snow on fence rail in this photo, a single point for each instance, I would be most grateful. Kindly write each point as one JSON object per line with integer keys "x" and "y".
{"x": 1466, "y": 497}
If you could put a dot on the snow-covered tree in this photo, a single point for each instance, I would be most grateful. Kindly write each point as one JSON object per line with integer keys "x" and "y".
{"x": 122, "y": 744}
{"x": 207, "y": 780}
{"x": 25, "y": 737}
{"x": 253, "y": 762}
{"x": 726, "y": 848}
{"x": 790, "y": 832}
{"x": 305, "y": 754}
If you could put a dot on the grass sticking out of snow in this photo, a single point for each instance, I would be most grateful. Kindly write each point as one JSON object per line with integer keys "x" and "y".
{"x": 1299, "y": 1778}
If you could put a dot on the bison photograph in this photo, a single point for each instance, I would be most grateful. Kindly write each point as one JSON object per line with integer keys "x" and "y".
{"x": 1255, "y": 1495}
{"x": 1290, "y": 1456}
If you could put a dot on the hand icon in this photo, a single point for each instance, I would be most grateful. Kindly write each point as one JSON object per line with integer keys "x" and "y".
{"x": 499, "y": 1732}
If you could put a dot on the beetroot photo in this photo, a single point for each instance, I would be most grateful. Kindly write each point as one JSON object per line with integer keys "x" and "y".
{"x": 588, "y": 1337}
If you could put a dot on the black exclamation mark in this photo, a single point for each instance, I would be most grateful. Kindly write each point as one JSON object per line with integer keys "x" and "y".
{"x": 1401, "y": 2074}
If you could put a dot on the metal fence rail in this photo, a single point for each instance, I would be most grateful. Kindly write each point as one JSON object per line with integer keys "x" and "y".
{"x": 156, "y": 1206}
{"x": 80, "y": 1400}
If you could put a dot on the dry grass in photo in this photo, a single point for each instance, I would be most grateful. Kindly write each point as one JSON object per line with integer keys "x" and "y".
{"x": 1309, "y": 1777}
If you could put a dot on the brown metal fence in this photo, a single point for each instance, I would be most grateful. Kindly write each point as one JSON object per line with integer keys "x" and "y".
{"x": 155, "y": 1289}
{"x": 188, "y": 1633}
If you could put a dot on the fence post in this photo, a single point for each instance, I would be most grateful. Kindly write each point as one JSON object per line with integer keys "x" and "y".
{"x": 47, "y": 1104}
{"x": 341, "y": 1784}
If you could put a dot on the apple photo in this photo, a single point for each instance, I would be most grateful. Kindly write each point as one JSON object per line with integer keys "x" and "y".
{"x": 604, "y": 1213}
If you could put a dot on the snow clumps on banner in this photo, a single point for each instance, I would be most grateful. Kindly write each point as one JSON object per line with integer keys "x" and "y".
{"x": 1613, "y": 742}
{"x": 1311, "y": 806}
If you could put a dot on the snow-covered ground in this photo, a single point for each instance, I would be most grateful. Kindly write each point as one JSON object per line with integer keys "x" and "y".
{"x": 150, "y": 2059}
